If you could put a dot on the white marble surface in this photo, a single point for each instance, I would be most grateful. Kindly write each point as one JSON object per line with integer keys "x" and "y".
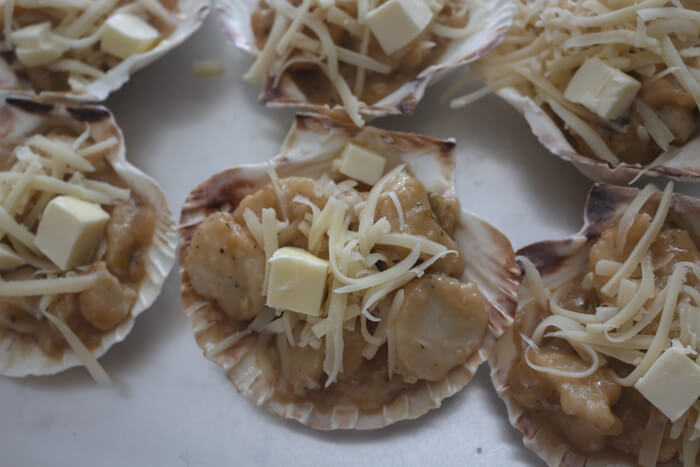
{"x": 170, "y": 406}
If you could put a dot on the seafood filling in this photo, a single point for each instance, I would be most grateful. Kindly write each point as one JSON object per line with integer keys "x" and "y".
{"x": 352, "y": 289}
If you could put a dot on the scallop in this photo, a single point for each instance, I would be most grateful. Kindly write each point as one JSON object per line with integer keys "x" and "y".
{"x": 308, "y": 152}
{"x": 559, "y": 261}
{"x": 175, "y": 20}
{"x": 23, "y": 117}
{"x": 488, "y": 23}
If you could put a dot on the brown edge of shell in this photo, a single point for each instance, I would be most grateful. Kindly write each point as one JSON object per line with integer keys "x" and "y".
{"x": 603, "y": 205}
{"x": 224, "y": 191}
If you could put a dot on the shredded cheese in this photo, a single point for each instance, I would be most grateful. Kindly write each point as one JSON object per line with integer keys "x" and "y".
{"x": 642, "y": 246}
{"x": 619, "y": 327}
{"x": 360, "y": 289}
{"x": 270, "y": 242}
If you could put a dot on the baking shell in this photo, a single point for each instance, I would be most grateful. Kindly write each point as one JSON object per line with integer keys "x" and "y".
{"x": 557, "y": 260}
{"x": 308, "y": 151}
{"x": 22, "y": 116}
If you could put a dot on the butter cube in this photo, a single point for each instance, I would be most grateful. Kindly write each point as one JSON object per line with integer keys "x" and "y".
{"x": 70, "y": 231}
{"x": 32, "y": 37}
{"x": 125, "y": 35}
{"x": 9, "y": 259}
{"x": 34, "y": 45}
{"x": 359, "y": 163}
{"x": 38, "y": 57}
{"x": 672, "y": 383}
{"x": 396, "y": 23}
{"x": 602, "y": 89}
{"x": 297, "y": 281}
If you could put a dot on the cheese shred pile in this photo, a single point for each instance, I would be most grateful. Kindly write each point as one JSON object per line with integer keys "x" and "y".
{"x": 305, "y": 34}
{"x": 551, "y": 39}
{"x": 358, "y": 290}
{"x": 44, "y": 167}
{"x": 639, "y": 295}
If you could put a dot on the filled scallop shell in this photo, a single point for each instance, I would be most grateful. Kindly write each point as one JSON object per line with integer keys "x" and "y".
{"x": 21, "y": 116}
{"x": 494, "y": 18}
{"x": 309, "y": 149}
{"x": 557, "y": 259}
{"x": 190, "y": 17}
{"x": 681, "y": 165}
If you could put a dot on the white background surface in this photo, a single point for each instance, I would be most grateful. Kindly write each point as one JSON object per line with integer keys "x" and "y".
{"x": 171, "y": 406}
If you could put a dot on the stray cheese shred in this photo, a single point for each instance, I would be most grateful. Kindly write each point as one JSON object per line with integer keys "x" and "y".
{"x": 91, "y": 364}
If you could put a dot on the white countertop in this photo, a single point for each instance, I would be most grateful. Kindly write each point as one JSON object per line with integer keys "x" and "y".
{"x": 171, "y": 406}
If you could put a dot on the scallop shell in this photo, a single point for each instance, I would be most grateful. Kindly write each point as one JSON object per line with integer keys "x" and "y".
{"x": 494, "y": 16}
{"x": 191, "y": 17}
{"x": 20, "y": 116}
{"x": 683, "y": 165}
{"x": 555, "y": 259}
{"x": 312, "y": 144}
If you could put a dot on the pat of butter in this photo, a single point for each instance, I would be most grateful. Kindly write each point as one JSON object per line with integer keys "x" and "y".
{"x": 125, "y": 35}
{"x": 672, "y": 383}
{"x": 396, "y": 23}
{"x": 9, "y": 259}
{"x": 35, "y": 46}
{"x": 362, "y": 165}
{"x": 38, "y": 57}
{"x": 70, "y": 231}
{"x": 602, "y": 89}
{"x": 32, "y": 37}
{"x": 297, "y": 281}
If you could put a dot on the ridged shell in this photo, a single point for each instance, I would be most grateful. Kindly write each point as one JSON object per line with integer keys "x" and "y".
{"x": 309, "y": 149}
{"x": 191, "y": 17}
{"x": 684, "y": 165}
{"x": 20, "y": 116}
{"x": 495, "y": 16}
{"x": 552, "y": 258}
